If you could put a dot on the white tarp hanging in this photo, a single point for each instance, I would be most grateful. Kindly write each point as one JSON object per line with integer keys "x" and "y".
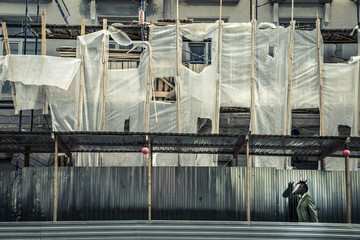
{"x": 271, "y": 80}
{"x": 197, "y": 91}
{"x": 31, "y": 72}
{"x": 41, "y": 70}
{"x": 2, "y": 80}
{"x": 341, "y": 93}
{"x": 305, "y": 71}
{"x": 236, "y": 65}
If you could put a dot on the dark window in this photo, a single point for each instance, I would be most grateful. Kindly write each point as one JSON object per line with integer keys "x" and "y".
{"x": 344, "y": 130}
{"x": 127, "y": 125}
{"x": 271, "y": 51}
{"x": 204, "y": 126}
{"x": 197, "y": 53}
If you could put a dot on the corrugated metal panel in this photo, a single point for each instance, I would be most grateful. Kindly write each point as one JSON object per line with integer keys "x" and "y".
{"x": 270, "y": 145}
{"x": 176, "y": 230}
{"x": 189, "y": 193}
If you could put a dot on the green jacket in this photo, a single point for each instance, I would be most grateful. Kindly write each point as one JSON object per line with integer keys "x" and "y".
{"x": 307, "y": 210}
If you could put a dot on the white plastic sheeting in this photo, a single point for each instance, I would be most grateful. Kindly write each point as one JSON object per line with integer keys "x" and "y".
{"x": 271, "y": 80}
{"x": 2, "y": 80}
{"x": 31, "y": 72}
{"x": 41, "y": 70}
{"x": 305, "y": 71}
{"x": 126, "y": 95}
{"x": 197, "y": 91}
{"x": 341, "y": 96}
{"x": 236, "y": 65}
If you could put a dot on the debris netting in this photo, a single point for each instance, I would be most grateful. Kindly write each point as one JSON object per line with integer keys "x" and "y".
{"x": 77, "y": 99}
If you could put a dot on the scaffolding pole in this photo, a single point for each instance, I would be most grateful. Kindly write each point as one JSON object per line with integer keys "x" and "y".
{"x": 178, "y": 74}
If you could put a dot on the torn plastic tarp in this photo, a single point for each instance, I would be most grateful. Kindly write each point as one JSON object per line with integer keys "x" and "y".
{"x": 41, "y": 70}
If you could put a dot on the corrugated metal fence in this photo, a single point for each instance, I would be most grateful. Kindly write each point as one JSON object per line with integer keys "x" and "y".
{"x": 186, "y": 193}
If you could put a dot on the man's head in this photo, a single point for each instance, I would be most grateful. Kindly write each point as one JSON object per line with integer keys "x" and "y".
{"x": 300, "y": 188}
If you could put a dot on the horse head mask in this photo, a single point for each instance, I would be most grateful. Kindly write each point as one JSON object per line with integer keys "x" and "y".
{"x": 300, "y": 188}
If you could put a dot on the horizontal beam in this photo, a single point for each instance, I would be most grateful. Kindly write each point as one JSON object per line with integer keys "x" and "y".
{"x": 335, "y": 147}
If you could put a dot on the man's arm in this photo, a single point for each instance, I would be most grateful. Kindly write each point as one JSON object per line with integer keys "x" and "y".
{"x": 312, "y": 210}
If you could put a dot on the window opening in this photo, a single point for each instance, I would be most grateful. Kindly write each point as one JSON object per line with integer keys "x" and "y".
{"x": 196, "y": 55}
{"x": 165, "y": 89}
{"x": 344, "y": 130}
{"x": 305, "y": 122}
{"x": 127, "y": 125}
{"x": 271, "y": 51}
{"x": 204, "y": 126}
{"x": 121, "y": 58}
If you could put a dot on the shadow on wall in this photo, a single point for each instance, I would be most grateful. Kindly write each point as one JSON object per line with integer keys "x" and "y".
{"x": 292, "y": 202}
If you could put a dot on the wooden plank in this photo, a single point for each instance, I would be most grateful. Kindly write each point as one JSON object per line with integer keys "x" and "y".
{"x": 43, "y": 51}
{"x": 8, "y": 52}
{"x": 167, "y": 82}
{"x": 162, "y": 94}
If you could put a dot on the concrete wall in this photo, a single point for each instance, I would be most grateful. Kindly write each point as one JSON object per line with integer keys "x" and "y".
{"x": 342, "y": 13}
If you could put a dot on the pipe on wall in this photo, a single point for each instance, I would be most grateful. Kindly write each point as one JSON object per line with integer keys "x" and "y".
{"x": 167, "y": 9}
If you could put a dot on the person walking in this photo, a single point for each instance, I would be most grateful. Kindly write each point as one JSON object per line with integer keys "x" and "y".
{"x": 306, "y": 209}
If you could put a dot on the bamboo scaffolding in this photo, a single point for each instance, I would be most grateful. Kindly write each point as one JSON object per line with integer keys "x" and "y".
{"x": 322, "y": 131}
{"x": 8, "y": 52}
{"x": 252, "y": 115}
{"x": 288, "y": 107}
{"x": 217, "y": 109}
{"x": 105, "y": 60}
{"x": 43, "y": 51}
{"x": 178, "y": 74}
{"x": 81, "y": 79}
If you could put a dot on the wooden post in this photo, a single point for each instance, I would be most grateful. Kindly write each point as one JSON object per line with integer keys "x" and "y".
{"x": 289, "y": 69}
{"x": 43, "y": 50}
{"x": 217, "y": 108}
{"x": 320, "y": 77}
{"x": 55, "y": 179}
{"x": 104, "y": 86}
{"x": 288, "y": 107}
{"x": 348, "y": 198}
{"x": 148, "y": 90}
{"x": 149, "y": 177}
{"x": 236, "y": 157}
{"x": 149, "y": 79}
{"x": 8, "y": 52}
{"x": 247, "y": 179}
{"x": 82, "y": 33}
{"x": 27, "y": 159}
{"x": 252, "y": 113}
{"x": 178, "y": 74}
